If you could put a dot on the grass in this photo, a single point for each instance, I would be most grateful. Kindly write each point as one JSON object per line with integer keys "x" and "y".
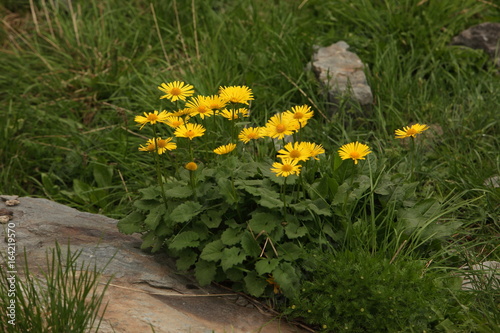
{"x": 65, "y": 299}
{"x": 74, "y": 74}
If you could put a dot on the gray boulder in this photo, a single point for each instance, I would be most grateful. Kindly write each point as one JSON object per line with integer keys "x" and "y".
{"x": 341, "y": 72}
{"x": 484, "y": 36}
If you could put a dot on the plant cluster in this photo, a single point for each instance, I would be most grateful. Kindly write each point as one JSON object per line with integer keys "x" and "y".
{"x": 225, "y": 207}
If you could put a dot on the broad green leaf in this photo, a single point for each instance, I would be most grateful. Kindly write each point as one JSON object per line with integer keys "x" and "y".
{"x": 264, "y": 222}
{"x": 185, "y": 211}
{"x": 232, "y": 257}
{"x": 266, "y": 265}
{"x": 295, "y": 230}
{"x": 186, "y": 260}
{"x": 231, "y": 236}
{"x": 180, "y": 191}
{"x": 212, "y": 218}
{"x": 212, "y": 251}
{"x": 290, "y": 251}
{"x": 184, "y": 239}
{"x": 250, "y": 245}
{"x": 155, "y": 216}
{"x": 227, "y": 190}
{"x": 148, "y": 240}
{"x": 103, "y": 174}
{"x": 146, "y": 204}
{"x": 152, "y": 192}
{"x": 131, "y": 223}
{"x": 287, "y": 278}
{"x": 205, "y": 272}
{"x": 255, "y": 284}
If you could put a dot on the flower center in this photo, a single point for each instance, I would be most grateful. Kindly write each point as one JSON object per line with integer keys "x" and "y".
{"x": 252, "y": 135}
{"x": 175, "y": 91}
{"x": 411, "y": 132}
{"x": 161, "y": 143}
{"x": 287, "y": 168}
{"x": 280, "y": 128}
{"x": 295, "y": 153}
{"x": 355, "y": 155}
{"x": 152, "y": 117}
{"x": 298, "y": 115}
{"x": 190, "y": 134}
{"x": 202, "y": 109}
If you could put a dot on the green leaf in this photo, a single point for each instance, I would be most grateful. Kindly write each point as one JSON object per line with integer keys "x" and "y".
{"x": 290, "y": 251}
{"x": 155, "y": 216}
{"x": 255, "y": 284}
{"x": 287, "y": 278}
{"x": 131, "y": 223}
{"x": 180, "y": 191}
{"x": 146, "y": 204}
{"x": 205, "y": 272}
{"x": 212, "y": 218}
{"x": 187, "y": 258}
{"x": 103, "y": 174}
{"x": 149, "y": 240}
{"x": 185, "y": 211}
{"x": 232, "y": 257}
{"x": 212, "y": 251}
{"x": 264, "y": 222}
{"x": 227, "y": 190}
{"x": 294, "y": 230}
{"x": 150, "y": 193}
{"x": 250, "y": 245}
{"x": 231, "y": 236}
{"x": 266, "y": 265}
{"x": 184, "y": 239}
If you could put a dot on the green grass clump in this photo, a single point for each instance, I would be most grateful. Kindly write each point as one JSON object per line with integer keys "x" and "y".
{"x": 65, "y": 299}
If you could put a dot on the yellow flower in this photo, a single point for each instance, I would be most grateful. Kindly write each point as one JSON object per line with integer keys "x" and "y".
{"x": 236, "y": 94}
{"x": 215, "y": 102}
{"x": 226, "y": 149}
{"x": 189, "y": 131}
{"x": 276, "y": 286}
{"x": 235, "y": 114}
{"x": 355, "y": 150}
{"x": 412, "y": 131}
{"x": 191, "y": 166}
{"x": 176, "y": 90}
{"x": 186, "y": 112}
{"x": 198, "y": 105}
{"x": 298, "y": 151}
{"x": 151, "y": 118}
{"x": 250, "y": 133}
{"x": 159, "y": 144}
{"x": 174, "y": 122}
{"x": 315, "y": 149}
{"x": 286, "y": 168}
{"x": 280, "y": 125}
{"x": 302, "y": 113}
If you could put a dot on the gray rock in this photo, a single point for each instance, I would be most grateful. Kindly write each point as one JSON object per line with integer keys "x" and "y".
{"x": 146, "y": 292}
{"x": 484, "y": 36}
{"x": 341, "y": 71}
{"x": 482, "y": 275}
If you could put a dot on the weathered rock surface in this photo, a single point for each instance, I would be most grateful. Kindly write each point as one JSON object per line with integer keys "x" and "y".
{"x": 341, "y": 71}
{"x": 484, "y": 36}
{"x": 146, "y": 293}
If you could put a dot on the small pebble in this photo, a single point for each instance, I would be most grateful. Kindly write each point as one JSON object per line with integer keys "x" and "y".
{"x": 13, "y": 202}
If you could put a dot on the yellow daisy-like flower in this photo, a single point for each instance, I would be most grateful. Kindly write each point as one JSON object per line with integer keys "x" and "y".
{"x": 280, "y": 125}
{"x": 215, "y": 102}
{"x": 191, "y": 166}
{"x": 151, "y": 118}
{"x": 250, "y": 133}
{"x": 354, "y": 150}
{"x": 174, "y": 122}
{"x": 160, "y": 145}
{"x": 236, "y": 94}
{"x": 315, "y": 149}
{"x": 412, "y": 131}
{"x": 298, "y": 151}
{"x": 198, "y": 106}
{"x": 176, "y": 90}
{"x": 286, "y": 168}
{"x": 302, "y": 113}
{"x": 189, "y": 131}
{"x": 226, "y": 149}
{"x": 235, "y": 114}
{"x": 182, "y": 113}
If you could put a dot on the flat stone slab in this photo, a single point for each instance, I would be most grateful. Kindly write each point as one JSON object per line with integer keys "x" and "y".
{"x": 146, "y": 292}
